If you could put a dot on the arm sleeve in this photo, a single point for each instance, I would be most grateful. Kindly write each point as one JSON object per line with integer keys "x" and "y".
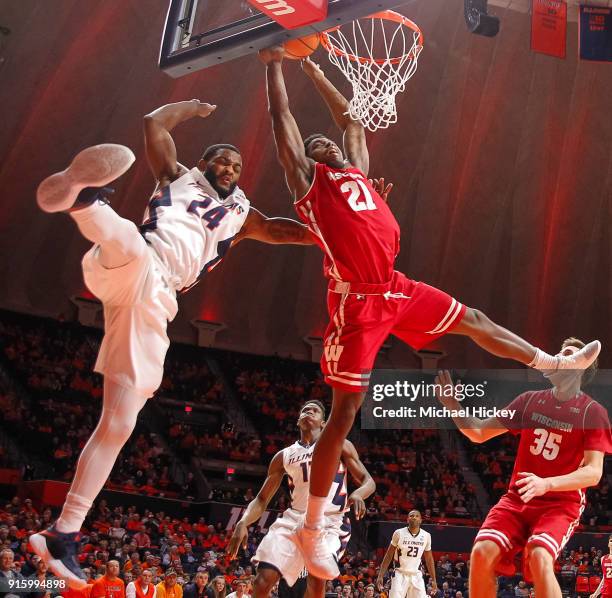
{"x": 516, "y": 422}
{"x": 597, "y": 434}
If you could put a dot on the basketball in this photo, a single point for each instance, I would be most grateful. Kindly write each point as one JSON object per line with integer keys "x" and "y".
{"x": 296, "y": 49}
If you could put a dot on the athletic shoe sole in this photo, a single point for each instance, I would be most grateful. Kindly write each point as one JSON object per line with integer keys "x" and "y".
{"x": 315, "y": 571}
{"x": 95, "y": 166}
{"x": 38, "y": 542}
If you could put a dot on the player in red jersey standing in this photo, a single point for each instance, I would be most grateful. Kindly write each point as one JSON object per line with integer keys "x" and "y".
{"x": 604, "y": 589}
{"x": 367, "y": 298}
{"x": 564, "y": 436}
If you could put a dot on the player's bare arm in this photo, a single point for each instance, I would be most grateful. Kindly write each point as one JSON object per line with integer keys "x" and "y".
{"x": 159, "y": 145}
{"x": 477, "y": 430}
{"x": 276, "y": 231}
{"x": 599, "y": 588}
{"x": 385, "y": 565}
{"x": 298, "y": 167}
{"x": 587, "y": 475}
{"x": 431, "y": 568}
{"x": 354, "y": 139}
{"x": 258, "y": 505}
{"x": 360, "y": 474}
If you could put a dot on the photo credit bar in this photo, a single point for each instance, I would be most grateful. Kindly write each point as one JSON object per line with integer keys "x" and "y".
{"x": 412, "y": 400}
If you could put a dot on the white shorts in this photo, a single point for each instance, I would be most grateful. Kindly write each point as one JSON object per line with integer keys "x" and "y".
{"x": 406, "y": 585}
{"x": 138, "y": 304}
{"x": 277, "y": 549}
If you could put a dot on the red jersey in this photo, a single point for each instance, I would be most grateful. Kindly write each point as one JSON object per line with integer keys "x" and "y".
{"x": 352, "y": 224}
{"x": 606, "y": 573}
{"x": 554, "y": 436}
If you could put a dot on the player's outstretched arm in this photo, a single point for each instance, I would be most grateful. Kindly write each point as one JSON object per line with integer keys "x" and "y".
{"x": 355, "y": 144}
{"x": 257, "y": 506}
{"x": 299, "y": 169}
{"x": 477, "y": 430}
{"x": 431, "y": 568}
{"x": 361, "y": 475}
{"x": 276, "y": 231}
{"x": 587, "y": 475}
{"x": 159, "y": 145}
{"x": 387, "y": 560}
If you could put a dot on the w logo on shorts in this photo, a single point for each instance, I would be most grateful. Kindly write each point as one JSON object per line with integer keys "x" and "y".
{"x": 333, "y": 352}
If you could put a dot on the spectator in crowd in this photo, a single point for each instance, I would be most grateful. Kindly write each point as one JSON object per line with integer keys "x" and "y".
{"x": 110, "y": 585}
{"x": 40, "y": 576}
{"x": 7, "y": 569}
{"x": 169, "y": 588}
{"x": 217, "y": 587}
{"x": 521, "y": 590}
{"x": 198, "y": 587}
{"x": 240, "y": 589}
{"x": 142, "y": 587}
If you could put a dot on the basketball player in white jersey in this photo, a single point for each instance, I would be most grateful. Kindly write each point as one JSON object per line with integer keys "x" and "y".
{"x": 277, "y": 554}
{"x": 193, "y": 218}
{"x": 411, "y": 544}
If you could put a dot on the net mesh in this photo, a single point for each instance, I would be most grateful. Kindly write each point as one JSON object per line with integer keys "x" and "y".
{"x": 378, "y": 56}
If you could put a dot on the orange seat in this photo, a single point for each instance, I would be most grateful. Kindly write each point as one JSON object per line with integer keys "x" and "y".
{"x": 582, "y": 584}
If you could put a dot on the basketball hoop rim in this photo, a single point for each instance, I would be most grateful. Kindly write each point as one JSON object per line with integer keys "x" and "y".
{"x": 389, "y": 15}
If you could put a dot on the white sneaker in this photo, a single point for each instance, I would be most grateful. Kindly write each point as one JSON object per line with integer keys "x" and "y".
{"x": 93, "y": 167}
{"x": 582, "y": 359}
{"x": 320, "y": 561}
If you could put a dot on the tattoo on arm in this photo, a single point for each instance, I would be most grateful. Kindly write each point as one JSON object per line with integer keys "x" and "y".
{"x": 284, "y": 230}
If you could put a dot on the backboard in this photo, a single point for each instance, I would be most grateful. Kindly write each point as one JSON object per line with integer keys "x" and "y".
{"x": 201, "y": 33}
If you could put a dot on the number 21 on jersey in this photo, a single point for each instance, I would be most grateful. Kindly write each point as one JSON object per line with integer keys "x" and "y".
{"x": 359, "y": 196}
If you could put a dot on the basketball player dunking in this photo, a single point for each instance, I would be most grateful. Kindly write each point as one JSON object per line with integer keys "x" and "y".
{"x": 277, "y": 554}
{"x": 604, "y": 589}
{"x": 564, "y": 437}
{"x": 193, "y": 219}
{"x": 412, "y": 544}
{"x": 367, "y": 300}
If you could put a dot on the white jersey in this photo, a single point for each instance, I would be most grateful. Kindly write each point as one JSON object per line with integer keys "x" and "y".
{"x": 296, "y": 460}
{"x": 410, "y": 548}
{"x": 190, "y": 227}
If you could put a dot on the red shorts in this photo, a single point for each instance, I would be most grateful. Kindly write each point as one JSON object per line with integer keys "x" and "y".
{"x": 515, "y": 526}
{"x": 362, "y": 316}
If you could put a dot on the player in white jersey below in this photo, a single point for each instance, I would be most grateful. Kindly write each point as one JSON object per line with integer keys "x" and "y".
{"x": 192, "y": 220}
{"x": 411, "y": 544}
{"x": 277, "y": 554}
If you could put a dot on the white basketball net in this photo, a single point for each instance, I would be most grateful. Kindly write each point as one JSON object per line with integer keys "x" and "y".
{"x": 376, "y": 80}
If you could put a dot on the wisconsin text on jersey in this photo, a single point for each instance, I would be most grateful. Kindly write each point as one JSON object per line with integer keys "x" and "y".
{"x": 551, "y": 423}
{"x": 479, "y": 411}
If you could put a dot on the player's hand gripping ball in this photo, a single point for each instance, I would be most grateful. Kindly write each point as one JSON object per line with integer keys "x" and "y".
{"x": 298, "y": 49}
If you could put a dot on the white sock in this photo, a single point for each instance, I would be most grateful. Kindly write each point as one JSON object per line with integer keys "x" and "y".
{"x": 119, "y": 239}
{"x": 543, "y": 361}
{"x": 117, "y": 422}
{"x": 74, "y": 511}
{"x": 314, "y": 511}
